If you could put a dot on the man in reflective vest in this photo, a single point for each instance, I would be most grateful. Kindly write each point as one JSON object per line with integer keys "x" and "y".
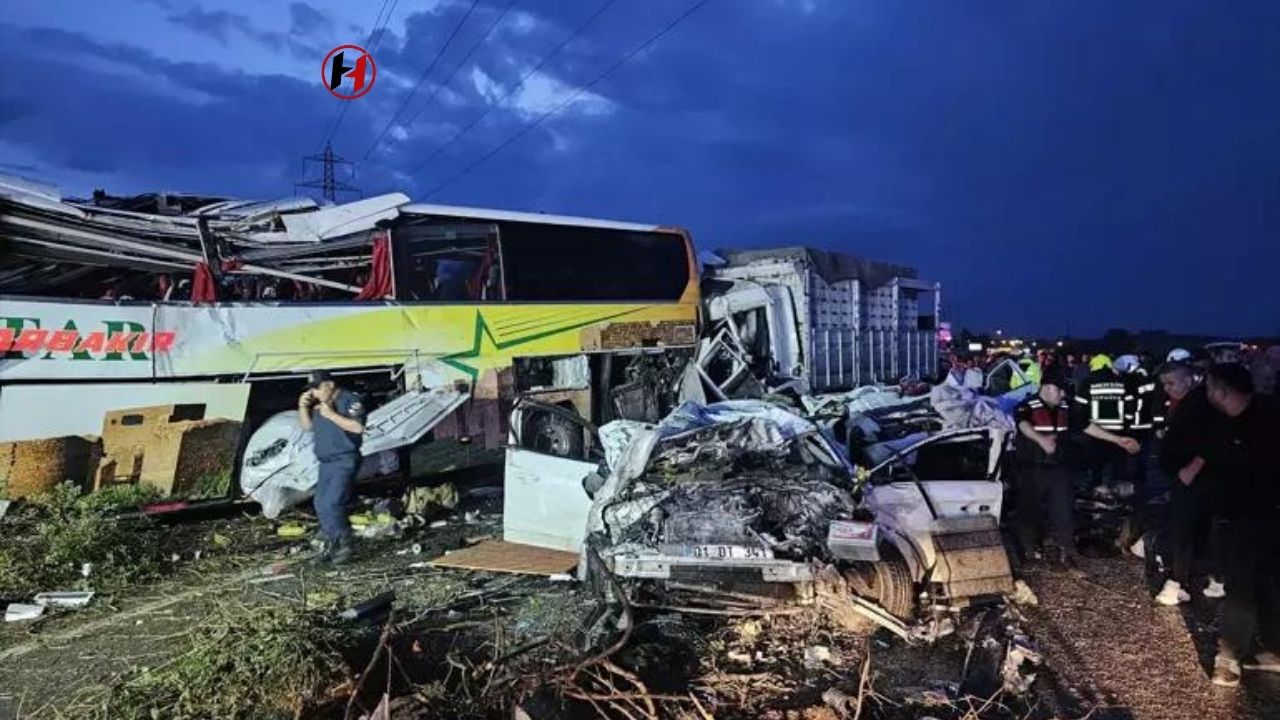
{"x": 1049, "y": 425}
{"x": 1140, "y": 410}
{"x": 1102, "y": 395}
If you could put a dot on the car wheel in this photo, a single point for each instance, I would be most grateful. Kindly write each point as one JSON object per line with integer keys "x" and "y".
{"x": 554, "y": 434}
{"x": 887, "y": 583}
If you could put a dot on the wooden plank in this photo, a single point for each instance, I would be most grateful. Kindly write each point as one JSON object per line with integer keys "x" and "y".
{"x": 502, "y": 556}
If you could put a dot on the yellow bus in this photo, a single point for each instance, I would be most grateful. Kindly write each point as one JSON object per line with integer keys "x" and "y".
{"x": 471, "y": 309}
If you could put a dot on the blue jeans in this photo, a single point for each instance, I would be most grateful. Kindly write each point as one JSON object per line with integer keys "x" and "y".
{"x": 333, "y": 493}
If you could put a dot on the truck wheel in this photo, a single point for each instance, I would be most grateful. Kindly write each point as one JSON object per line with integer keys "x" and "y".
{"x": 887, "y": 583}
{"x": 553, "y": 434}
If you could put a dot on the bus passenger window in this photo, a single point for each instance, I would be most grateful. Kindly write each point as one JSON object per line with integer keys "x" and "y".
{"x": 569, "y": 263}
{"x": 443, "y": 267}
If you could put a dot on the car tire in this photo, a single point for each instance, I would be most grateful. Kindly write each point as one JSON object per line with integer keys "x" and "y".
{"x": 887, "y": 583}
{"x": 553, "y": 434}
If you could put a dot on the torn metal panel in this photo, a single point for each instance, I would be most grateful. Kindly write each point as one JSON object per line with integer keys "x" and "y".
{"x": 339, "y": 220}
{"x": 34, "y": 194}
{"x": 544, "y": 501}
{"x": 406, "y": 419}
{"x": 765, "y": 328}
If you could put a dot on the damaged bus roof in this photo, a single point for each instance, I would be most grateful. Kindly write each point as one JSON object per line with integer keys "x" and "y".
{"x": 53, "y": 243}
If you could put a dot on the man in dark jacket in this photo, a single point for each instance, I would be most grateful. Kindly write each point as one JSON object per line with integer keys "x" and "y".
{"x": 1246, "y": 450}
{"x": 1189, "y": 422}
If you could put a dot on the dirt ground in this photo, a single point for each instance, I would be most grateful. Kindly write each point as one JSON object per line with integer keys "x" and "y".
{"x": 1107, "y": 643}
{"x": 476, "y": 645}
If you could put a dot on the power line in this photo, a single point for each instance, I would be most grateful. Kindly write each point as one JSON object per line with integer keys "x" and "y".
{"x": 520, "y": 83}
{"x": 574, "y": 96}
{"x": 440, "y": 86}
{"x": 421, "y": 78}
{"x": 376, "y": 41}
{"x": 379, "y": 27}
{"x": 328, "y": 183}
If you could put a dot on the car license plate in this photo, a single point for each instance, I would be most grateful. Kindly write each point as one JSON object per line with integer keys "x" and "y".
{"x": 727, "y": 552}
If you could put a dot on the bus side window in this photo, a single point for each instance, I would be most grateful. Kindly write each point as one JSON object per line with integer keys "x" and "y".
{"x": 441, "y": 264}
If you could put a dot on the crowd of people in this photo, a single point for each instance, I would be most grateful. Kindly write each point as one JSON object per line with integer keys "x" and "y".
{"x": 1193, "y": 443}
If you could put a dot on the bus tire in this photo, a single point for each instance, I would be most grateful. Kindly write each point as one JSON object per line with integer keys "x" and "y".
{"x": 887, "y": 583}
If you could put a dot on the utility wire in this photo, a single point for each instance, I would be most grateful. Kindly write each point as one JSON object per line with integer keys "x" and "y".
{"x": 462, "y": 62}
{"x": 542, "y": 118}
{"x": 421, "y": 78}
{"x": 379, "y": 23}
{"x": 520, "y": 83}
{"x": 376, "y": 41}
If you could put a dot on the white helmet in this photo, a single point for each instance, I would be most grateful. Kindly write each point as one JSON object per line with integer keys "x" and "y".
{"x": 1178, "y": 355}
{"x": 1126, "y": 364}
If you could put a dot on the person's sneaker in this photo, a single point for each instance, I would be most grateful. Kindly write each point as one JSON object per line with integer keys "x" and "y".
{"x": 1172, "y": 594}
{"x": 323, "y": 556}
{"x": 1226, "y": 671}
{"x": 1215, "y": 589}
{"x": 342, "y": 551}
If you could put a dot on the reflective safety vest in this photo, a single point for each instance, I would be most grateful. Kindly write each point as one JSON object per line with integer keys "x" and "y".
{"x": 1031, "y": 370}
{"x": 1104, "y": 395}
{"x": 1142, "y": 411}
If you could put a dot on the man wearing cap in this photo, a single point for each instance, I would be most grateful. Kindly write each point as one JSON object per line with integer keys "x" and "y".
{"x": 335, "y": 416}
{"x": 1048, "y": 426}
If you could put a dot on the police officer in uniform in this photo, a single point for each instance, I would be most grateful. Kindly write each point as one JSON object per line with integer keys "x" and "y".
{"x": 336, "y": 417}
{"x": 1049, "y": 425}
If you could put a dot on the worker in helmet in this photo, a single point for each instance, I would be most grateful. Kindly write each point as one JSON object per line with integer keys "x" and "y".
{"x": 1103, "y": 397}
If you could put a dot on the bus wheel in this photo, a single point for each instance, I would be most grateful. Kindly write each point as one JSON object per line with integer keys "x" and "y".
{"x": 554, "y": 434}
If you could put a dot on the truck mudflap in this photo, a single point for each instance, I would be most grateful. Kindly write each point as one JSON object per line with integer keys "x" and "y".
{"x": 970, "y": 558}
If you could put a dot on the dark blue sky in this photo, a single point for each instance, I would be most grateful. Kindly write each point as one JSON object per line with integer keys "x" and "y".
{"x": 1058, "y": 166}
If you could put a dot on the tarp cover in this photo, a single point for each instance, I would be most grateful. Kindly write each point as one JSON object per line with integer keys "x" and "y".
{"x": 831, "y": 266}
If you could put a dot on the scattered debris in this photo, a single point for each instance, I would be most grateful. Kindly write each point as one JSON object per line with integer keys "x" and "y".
{"x": 420, "y": 500}
{"x": 67, "y": 599}
{"x": 17, "y": 612}
{"x": 501, "y": 556}
{"x": 1023, "y": 594}
{"x": 291, "y": 530}
{"x": 1021, "y": 658}
{"x": 817, "y": 655}
{"x": 373, "y": 607}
